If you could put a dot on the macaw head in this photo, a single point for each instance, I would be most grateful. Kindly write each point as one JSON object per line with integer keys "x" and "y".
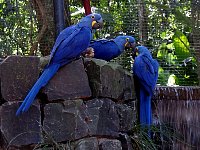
{"x": 94, "y": 21}
{"x": 125, "y": 42}
{"x": 129, "y": 42}
{"x": 140, "y": 50}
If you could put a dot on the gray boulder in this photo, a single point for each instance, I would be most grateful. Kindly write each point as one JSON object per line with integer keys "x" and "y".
{"x": 18, "y": 74}
{"x": 70, "y": 82}
{"x": 109, "y": 80}
{"x": 20, "y": 130}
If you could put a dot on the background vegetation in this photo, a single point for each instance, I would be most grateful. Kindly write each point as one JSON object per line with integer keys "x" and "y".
{"x": 170, "y": 29}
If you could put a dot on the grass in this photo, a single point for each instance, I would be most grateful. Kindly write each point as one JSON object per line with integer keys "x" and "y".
{"x": 161, "y": 135}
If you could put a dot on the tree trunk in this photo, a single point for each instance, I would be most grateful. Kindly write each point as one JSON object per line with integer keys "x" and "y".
{"x": 46, "y": 28}
{"x": 67, "y": 13}
{"x": 143, "y": 22}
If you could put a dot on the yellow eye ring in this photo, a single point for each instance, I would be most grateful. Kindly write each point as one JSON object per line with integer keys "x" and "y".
{"x": 127, "y": 39}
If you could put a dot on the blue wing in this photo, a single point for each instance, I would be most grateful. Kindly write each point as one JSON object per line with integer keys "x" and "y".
{"x": 71, "y": 47}
{"x": 61, "y": 37}
{"x": 146, "y": 70}
{"x": 105, "y": 49}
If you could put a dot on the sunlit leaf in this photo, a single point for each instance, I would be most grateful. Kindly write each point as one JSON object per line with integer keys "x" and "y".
{"x": 170, "y": 46}
{"x": 181, "y": 45}
{"x": 186, "y": 76}
{"x": 163, "y": 35}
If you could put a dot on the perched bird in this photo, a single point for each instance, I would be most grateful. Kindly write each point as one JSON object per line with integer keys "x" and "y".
{"x": 109, "y": 49}
{"x": 70, "y": 43}
{"x": 145, "y": 71}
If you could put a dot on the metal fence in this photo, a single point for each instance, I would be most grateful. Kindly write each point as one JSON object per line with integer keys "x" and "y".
{"x": 170, "y": 29}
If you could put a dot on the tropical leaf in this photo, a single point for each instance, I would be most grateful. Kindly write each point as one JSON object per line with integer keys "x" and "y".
{"x": 182, "y": 46}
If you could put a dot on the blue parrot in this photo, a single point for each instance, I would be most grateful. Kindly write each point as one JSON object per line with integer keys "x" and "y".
{"x": 108, "y": 49}
{"x": 70, "y": 43}
{"x": 145, "y": 71}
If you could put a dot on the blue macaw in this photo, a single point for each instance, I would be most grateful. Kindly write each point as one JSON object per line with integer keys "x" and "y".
{"x": 145, "y": 71}
{"x": 109, "y": 49}
{"x": 70, "y": 43}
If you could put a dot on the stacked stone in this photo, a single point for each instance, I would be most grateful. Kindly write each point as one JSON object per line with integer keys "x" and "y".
{"x": 87, "y": 105}
{"x": 18, "y": 74}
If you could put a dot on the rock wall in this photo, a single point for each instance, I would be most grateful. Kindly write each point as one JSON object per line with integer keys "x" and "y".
{"x": 88, "y": 104}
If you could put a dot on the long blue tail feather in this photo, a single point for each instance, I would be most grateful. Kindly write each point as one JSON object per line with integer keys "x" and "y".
{"x": 42, "y": 81}
{"x": 145, "y": 110}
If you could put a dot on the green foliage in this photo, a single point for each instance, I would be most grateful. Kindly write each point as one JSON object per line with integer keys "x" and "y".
{"x": 174, "y": 48}
{"x": 117, "y": 17}
{"x": 17, "y": 17}
{"x": 181, "y": 44}
{"x": 176, "y": 58}
{"x": 163, "y": 76}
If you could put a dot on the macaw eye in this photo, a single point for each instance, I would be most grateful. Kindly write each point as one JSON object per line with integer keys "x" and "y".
{"x": 136, "y": 49}
{"x": 127, "y": 39}
{"x": 92, "y": 17}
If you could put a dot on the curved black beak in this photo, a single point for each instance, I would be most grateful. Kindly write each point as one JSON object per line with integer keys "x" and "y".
{"x": 97, "y": 24}
{"x": 100, "y": 22}
{"x": 129, "y": 45}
